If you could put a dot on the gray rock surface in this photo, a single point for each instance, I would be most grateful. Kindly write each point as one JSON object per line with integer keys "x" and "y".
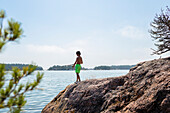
{"x": 145, "y": 89}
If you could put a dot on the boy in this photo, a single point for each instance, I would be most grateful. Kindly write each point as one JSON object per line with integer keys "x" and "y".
{"x": 77, "y": 65}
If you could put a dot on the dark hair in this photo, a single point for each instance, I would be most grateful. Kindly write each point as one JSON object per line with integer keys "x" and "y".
{"x": 78, "y": 53}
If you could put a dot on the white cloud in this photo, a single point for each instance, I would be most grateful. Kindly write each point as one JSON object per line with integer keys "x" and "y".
{"x": 131, "y": 32}
{"x": 73, "y": 46}
{"x": 45, "y": 48}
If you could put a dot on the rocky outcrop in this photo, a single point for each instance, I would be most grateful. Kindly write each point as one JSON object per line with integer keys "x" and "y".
{"x": 145, "y": 89}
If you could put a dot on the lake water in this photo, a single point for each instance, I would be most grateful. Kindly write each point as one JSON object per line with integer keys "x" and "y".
{"x": 55, "y": 81}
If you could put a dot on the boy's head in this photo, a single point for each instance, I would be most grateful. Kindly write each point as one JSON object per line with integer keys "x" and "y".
{"x": 78, "y": 53}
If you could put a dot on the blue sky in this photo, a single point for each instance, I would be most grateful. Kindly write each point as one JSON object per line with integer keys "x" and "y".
{"x": 107, "y": 32}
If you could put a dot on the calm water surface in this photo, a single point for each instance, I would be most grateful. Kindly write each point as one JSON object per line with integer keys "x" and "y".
{"x": 55, "y": 81}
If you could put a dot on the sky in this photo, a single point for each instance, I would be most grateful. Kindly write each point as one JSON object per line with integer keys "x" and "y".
{"x": 107, "y": 32}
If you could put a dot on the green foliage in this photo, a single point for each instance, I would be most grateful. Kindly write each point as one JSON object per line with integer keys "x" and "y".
{"x": 14, "y": 30}
{"x": 2, "y": 14}
{"x": 160, "y": 32}
{"x": 12, "y": 91}
{"x": 11, "y": 33}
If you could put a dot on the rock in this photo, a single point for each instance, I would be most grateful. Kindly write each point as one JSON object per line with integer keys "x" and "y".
{"x": 145, "y": 89}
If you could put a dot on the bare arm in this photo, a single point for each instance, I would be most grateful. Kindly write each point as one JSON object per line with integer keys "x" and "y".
{"x": 81, "y": 61}
{"x": 75, "y": 62}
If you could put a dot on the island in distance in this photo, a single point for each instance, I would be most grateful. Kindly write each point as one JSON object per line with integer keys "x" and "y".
{"x": 113, "y": 67}
{"x": 64, "y": 67}
{"x": 8, "y": 67}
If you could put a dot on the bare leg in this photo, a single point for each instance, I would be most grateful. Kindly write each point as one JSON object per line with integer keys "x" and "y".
{"x": 78, "y": 77}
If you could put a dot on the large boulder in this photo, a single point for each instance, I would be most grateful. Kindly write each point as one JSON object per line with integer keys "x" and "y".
{"x": 145, "y": 89}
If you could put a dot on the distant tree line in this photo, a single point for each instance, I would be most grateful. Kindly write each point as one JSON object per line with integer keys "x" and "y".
{"x": 65, "y": 67}
{"x": 8, "y": 67}
{"x": 113, "y": 67}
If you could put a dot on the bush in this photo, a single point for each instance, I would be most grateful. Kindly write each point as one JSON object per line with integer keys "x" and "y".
{"x": 12, "y": 92}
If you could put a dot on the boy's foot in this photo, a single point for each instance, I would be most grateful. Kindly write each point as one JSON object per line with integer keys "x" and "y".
{"x": 75, "y": 82}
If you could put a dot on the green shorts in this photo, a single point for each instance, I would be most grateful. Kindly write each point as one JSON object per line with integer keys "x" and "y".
{"x": 77, "y": 68}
